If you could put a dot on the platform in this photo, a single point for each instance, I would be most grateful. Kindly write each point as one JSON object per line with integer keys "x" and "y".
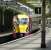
{"x": 30, "y": 42}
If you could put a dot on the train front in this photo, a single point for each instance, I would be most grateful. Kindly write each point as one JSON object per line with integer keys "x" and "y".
{"x": 22, "y": 24}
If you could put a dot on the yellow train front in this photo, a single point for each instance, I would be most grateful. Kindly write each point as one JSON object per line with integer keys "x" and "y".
{"x": 22, "y": 24}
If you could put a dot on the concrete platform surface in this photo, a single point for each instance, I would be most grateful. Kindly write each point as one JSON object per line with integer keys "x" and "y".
{"x": 31, "y": 42}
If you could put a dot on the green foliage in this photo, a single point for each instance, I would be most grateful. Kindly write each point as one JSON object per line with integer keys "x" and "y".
{"x": 23, "y": 1}
{"x": 1, "y": 14}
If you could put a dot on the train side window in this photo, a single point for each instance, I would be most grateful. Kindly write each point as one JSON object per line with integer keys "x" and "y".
{"x": 37, "y": 10}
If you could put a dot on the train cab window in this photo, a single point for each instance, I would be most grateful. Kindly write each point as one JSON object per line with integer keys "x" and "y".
{"x": 23, "y": 21}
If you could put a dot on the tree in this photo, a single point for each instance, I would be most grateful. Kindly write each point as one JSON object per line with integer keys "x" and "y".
{"x": 43, "y": 44}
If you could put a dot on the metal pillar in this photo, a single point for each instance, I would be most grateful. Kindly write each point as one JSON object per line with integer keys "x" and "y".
{"x": 43, "y": 33}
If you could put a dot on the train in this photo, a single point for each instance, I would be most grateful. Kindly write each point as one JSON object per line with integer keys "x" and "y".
{"x": 23, "y": 25}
